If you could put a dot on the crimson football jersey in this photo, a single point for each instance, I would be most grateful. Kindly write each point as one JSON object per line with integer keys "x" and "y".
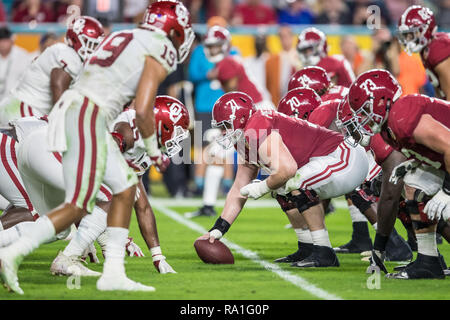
{"x": 381, "y": 150}
{"x": 229, "y": 68}
{"x": 325, "y": 114}
{"x": 437, "y": 51}
{"x": 403, "y": 119}
{"x": 339, "y": 67}
{"x": 303, "y": 139}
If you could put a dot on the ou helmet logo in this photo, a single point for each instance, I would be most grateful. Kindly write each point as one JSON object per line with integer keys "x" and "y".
{"x": 182, "y": 15}
{"x": 78, "y": 25}
{"x": 175, "y": 112}
{"x": 369, "y": 86}
{"x": 424, "y": 13}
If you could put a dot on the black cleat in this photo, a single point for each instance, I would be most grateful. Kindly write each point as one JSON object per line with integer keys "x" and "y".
{"x": 304, "y": 251}
{"x": 321, "y": 257}
{"x": 205, "y": 211}
{"x": 425, "y": 267}
{"x": 360, "y": 241}
{"x": 397, "y": 249}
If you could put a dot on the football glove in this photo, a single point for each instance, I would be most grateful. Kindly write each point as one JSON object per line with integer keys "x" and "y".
{"x": 133, "y": 249}
{"x": 439, "y": 204}
{"x": 91, "y": 253}
{"x": 255, "y": 190}
{"x": 161, "y": 162}
{"x": 377, "y": 262}
{"x": 402, "y": 169}
{"x": 160, "y": 263}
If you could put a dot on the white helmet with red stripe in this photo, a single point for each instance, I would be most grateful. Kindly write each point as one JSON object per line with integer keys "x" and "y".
{"x": 312, "y": 46}
{"x": 217, "y": 43}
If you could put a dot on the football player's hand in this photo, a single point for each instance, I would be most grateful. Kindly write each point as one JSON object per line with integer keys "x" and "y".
{"x": 377, "y": 262}
{"x": 255, "y": 190}
{"x": 133, "y": 249}
{"x": 160, "y": 263}
{"x": 91, "y": 253}
{"x": 439, "y": 204}
{"x": 401, "y": 170}
{"x": 211, "y": 236}
{"x": 161, "y": 162}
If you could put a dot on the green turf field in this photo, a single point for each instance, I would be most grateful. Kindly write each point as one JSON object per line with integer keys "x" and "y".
{"x": 260, "y": 230}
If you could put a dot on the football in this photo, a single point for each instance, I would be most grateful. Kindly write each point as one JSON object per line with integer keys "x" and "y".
{"x": 215, "y": 253}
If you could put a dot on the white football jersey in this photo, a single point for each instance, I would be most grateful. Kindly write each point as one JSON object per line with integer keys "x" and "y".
{"x": 111, "y": 76}
{"x": 137, "y": 155}
{"x": 34, "y": 87}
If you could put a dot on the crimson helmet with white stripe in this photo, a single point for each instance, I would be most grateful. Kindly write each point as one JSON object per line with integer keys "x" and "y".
{"x": 313, "y": 77}
{"x": 371, "y": 97}
{"x": 217, "y": 43}
{"x": 299, "y": 103}
{"x": 84, "y": 35}
{"x": 172, "y": 18}
{"x": 231, "y": 113}
{"x": 312, "y": 46}
{"x": 172, "y": 122}
{"x": 416, "y": 28}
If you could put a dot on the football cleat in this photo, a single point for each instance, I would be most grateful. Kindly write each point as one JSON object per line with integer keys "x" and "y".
{"x": 320, "y": 257}
{"x": 9, "y": 264}
{"x": 205, "y": 211}
{"x": 425, "y": 267}
{"x": 397, "y": 249}
{"x": 68, "y": 266}
{"x": 360, "y": 241}
{"x": 304, "y": 251}
{"x": 121, "y": 283}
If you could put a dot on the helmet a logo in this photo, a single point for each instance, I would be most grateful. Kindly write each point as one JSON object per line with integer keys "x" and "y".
{"x": 78, "y": 26}
{"x": 233, "y": 105}
{"x": 182, "y": 15}
{"x": 175, "y": 112}
{"x": 369, "y": 86}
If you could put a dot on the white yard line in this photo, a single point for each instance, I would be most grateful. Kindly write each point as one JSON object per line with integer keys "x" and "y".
{"x": 251, "y": 255}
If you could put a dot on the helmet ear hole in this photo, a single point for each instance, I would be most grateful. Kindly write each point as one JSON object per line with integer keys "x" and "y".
{"x": 166, "y": 127}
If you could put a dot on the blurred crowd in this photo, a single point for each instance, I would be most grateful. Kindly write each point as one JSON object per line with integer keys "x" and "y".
{"x": 235, "y": 12}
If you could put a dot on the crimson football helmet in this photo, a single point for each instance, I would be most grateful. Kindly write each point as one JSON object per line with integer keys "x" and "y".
{"x": 231, "y": 113}
{"x": 172, "y": 18}
{"x": 371, "y": 97}
{"x": 312, "y": 46}
{"x": 348, "y": 124}
{"x": 313, "y": 77}
{"x": 299, "y": 103}
{"x": 172, "y": 122}
{"x": 84, "y": 35}
{"x": 217, "y": 43}
{"x": 416, "y": 28}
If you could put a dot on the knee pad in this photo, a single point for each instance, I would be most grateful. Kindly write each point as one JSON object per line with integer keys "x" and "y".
{"x": 361, "y": 200}
{"x": 305, "y": 200}
{"x": 285, "y": 204}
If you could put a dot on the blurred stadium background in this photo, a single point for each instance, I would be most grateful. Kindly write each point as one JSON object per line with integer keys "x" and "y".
{"x": 263, "y": 33}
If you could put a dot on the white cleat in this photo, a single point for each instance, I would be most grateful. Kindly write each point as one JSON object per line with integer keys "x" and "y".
{"x": 9, "y": 264}
{"x": 68, "y": 266}
{"x": 121, "y": 283}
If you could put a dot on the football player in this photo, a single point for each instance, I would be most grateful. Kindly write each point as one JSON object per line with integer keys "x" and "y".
{"x": 313, "y": 51}
{"x": 418, "y": 127}
{"x": 319, "y": 166}
{"x": 128, "y": 64}
{"x": 50, "y": 74}
{"x": 417, "y": 32}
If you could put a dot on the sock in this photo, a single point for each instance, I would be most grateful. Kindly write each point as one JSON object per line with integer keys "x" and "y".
{"x": 360, "y": 230}
{"x": 10, "y": 235}
{"x": 320, "y": 238}
{"x": 115, "y": 252}
{"x": 37, "y": 233}
{"x": 375, "y": 226}
{"x": 380, "y": 242}
{"x": 102, "y": 240}
{"x": 303, "y": 235}
{"x": 213, "y": 176}
{"x": 199, "y": 182}
{"x": 356, "y": 215}
{"x": 91, "y": 226}
{"x": 426, "y": 244}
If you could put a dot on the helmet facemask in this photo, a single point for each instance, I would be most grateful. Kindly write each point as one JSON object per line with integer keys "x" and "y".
{"x": 309, "y": 54}
{"x": 230, "y": 135}
{"x": 173, "y": 146}
{"x": 413, "y": 39}
{"x": 88, "y": 46}
{"x": 185, "y": 47}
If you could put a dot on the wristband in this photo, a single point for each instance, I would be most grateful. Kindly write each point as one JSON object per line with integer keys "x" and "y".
{"x": 151, "y": 145}
{"x": 221, "y": 225}
{"x": 446, "y": 184}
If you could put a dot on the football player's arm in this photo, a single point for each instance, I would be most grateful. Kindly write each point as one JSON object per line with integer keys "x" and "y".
{"x": 59, "y": 82}
{"x": 282, "y": 165}
{"x": 146, "y": 218}
{"x": 233, "y": 203}
{"x": 390, "y": 194}
{"x": 434, "y": 135}
{"x": 152, "y": 76}
{"x": 443, "y": 73}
